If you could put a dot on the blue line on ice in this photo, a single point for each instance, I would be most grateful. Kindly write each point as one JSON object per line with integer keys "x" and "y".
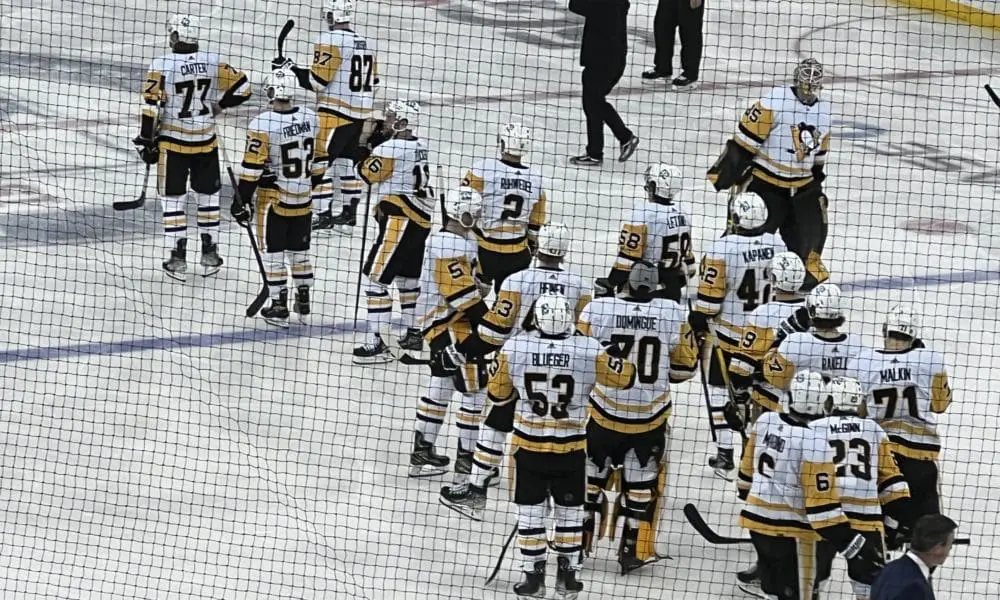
{"x": 254, "y": 334}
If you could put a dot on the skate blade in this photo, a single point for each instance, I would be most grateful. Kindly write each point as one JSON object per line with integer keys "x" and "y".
{"x": 303, "y": 319}
{"x": 345, "y": 230}
{"x": 282, "y": 323}
{"x": 754, "y": 591}
{"x": 176, "y": 276}
{"x": 566, "y": 595}
{"x": 724, "y": 474}
{"x": 626, "y": 569}
{"x": 465, "y": 511}
{"x": 539, "y": 594}
{"x": 372, "y": 360}
{"x": 687, "y": 88}
{"x": 420, "y": 471}
{"x": 209, "y": 271}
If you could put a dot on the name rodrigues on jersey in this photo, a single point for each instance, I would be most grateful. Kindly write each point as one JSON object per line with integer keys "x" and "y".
{"x": 845, "y": 428}
{"x": 774, "y": 442}
{"x": 515, "y": 184}
{"x": 295, "y": 129}
{"x": 758, "y": 254}
{"x": 835, "y": 363}
{"x": 549, "y": 360}
{"x": 194, "y": 69}
{"x": 895, "y": 374}
{"x": 635, "y": 322}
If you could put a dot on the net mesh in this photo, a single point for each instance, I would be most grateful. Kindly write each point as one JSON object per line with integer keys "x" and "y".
{"x": 158, "y": 444}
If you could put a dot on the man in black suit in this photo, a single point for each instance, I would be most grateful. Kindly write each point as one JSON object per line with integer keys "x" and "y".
{"x": 602, "y": 57}
{"x": 908, "y": 577}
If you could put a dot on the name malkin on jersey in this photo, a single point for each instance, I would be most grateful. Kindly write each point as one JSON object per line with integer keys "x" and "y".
{"x": 539, "y": 359}
{"x": 895, "y": 374}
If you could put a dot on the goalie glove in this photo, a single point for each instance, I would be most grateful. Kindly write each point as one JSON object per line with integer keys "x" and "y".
{"x": 148, "y": 151}
{"x": 864, "y": 560}
{"x": 448, "y": 360}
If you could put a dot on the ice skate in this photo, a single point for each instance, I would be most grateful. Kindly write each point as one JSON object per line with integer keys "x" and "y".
{"x": 301, "y": 304}
{"x": 277, "y": 313}
{"x": 533, "y": 585}
{"x": 723, "y": 464}
{"x": 465, "y": 499}
{"x": 211, "y": 262}
{"x": 176, "y": 266}
{"x": 424, "y": 461}
{"x": 373, "y": 351}
{"x": 567, "y": 587}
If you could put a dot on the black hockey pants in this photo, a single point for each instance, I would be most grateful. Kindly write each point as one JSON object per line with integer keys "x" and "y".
{"x": 802, "y": 222}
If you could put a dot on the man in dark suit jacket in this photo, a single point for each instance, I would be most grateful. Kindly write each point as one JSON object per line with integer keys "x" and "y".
{"x": 908, "y": 577}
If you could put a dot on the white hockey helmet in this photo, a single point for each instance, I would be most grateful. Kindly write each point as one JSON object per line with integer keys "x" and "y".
{"x": 514, "y": 139}
{"x": 406, "y": 112}
{"x": 748, "y": 212}
{"x": 901, "y": 320}
{"x": 808, "y": 78}
{"x": 787, "y": 272}
{"x": 807, "y": 394}
{"x": 464, "y": 206}
{"x": 846, "y": 395}
{"x": 338, "y": 11}
{"x": 553, "y": 315}
{"x": 643, "y": 278}
{"x": 663, "y": 180}
{"x": 182, "y": 28}
{"x": 825, "y": 302}
{"x": 553, "y": 240}
{"x": 280, "y": 85}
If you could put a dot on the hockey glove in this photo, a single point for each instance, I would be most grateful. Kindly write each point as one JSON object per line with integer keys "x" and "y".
{"x": 699, "y": 324}
{"x": 240, "y": 211}
{"x": 484, "y": 283}
{"x": 448, "y": 360}
{"x": 281, "y": 62}
{"x": 896, "y": 534}
{"x": 737, "y": 411}
{"x": 864, "y": 560}
{"x": 603, "y": 288}
{"x": 148, "y": 151}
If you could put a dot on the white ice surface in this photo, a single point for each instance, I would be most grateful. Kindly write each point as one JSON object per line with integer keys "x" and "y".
{"x": 156, "y": 444}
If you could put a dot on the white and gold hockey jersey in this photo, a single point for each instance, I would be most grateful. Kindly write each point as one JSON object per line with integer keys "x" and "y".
{"x": 514, "y": 204}
{"x": 447, "y": 285}
{"x": 344, "y": 74}
{"x": 399, "y": 167}
{"x": 658, "y": 233}
{"x": 763, "y": 328}
{"x": 828, "y": 356}
{"x": 181, "y": 89}
{"x": 518, "y": 294}
{"x": 867, "y": 475}
{"x": 906, "y": 390}
{"x": 788, "y": 479}
{"x": 551, "y": 379}
{"x": 786, "y": 136}
{"x": 279, "y": 150}
{"x": 656, "y": 338}
{"x": 735, "y": 281}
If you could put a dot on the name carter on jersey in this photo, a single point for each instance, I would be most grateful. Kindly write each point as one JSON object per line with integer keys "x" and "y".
{"x": 194, "y": 69}
{"x": 549, "y": 360}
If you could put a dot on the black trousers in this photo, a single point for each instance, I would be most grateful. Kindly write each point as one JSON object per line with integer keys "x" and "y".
{"x": 792, "y": 569}
{"x": 672, "y": 15}
{"x": 597, "y": 84}
{"x": 802, "y": 221}
{"x": 922, "y": 477}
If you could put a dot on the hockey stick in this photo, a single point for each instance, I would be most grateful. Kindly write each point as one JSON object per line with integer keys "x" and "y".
{"x": 695, "y": 519}
{"x": 285, "y": 30}
{"x": 138, "y": 202}
{"x": 262, "y": 296}
{"x": 503, "y": 552}
{"x": 704, "y": 388}
{"x": 364, "y": 241}
{"x": 724, "y": 368}
{"x": 993, "y": 95}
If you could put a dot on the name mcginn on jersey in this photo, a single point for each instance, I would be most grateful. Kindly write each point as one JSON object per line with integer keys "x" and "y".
{"x": 845, "y": 428}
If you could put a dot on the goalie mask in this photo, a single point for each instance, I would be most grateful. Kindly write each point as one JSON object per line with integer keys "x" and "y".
{"x": 808, "y": 79}
{"x": 182, "y": 29}
{"x": 553, "y": 315}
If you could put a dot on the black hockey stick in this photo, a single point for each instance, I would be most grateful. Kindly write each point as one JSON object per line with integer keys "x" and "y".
{"x": 993, "y": 97}
{"x": 364, "y": 240}
{"x": 704, "y": 388}
{"x": 503, "y": 552}
{"x": 261, "y": 298}
{"x": 285, "y": 30}
{"x": 138, "y": 202}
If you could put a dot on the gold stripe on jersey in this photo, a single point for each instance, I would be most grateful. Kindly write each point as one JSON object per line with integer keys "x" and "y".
{"x": 582, "y": 303}
{"x": 911, "y": 440}
{"x": 712, "y": 287}
{"x": 631, "y": 245}
{"x": 474, "y": 181}
{"x": 659, "y": 413}
{"x": 275, "y": 197}
{"x": 376, "y": 169}
{"x": 819, "y": 483}
{"x": 498, "y": 324}
{"x": 891, "y": 485}
{"x": 255, "y": 156}
{"x": 754, "y": 343}
{"x": 755, "y": 125}
{"x": 409, "y": 209}
{"x": 188, "y": 130}
{"x": 766, "y": 175}
{"x": 782, "y": 170}
{"x": 539, "y": 214}
{"x": 230, "y": 79}
{"x": 778, "y": 370}
{"x": 183, "y": 147}
{"x": 329, "y": 121}
{"x": 326, "y": 63}
{"x": 940, "y": 393}
{"x": 613, "y": 372}
{"x": 501, "y": 245}
{"x": 744, "y": 478}
{"x": 456, "y": 283}
{"x": 500, "y": 389}
{"x": 326, "y": 100}
{"x": 766, "y": 396}
{"x": 584, "y": 328}
{"x": 548, "y": 444}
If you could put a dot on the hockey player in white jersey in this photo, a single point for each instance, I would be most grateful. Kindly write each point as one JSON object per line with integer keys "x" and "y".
{"x": 658, "y": 232}
{"x": 549, "y": 374}
{"x": 511, "y": 313}
{"x": 906, "y": 385}
{"x": 734, "y": 282}
{"x": 277, "y": 166}
{"x": 794, "y": 511}
{"x": 183, "y": 93}
{"x": 824, "y": 348}
{"x": 451, "y": 307}
{"x": 869, "y": 483}
{"x": 344, "y": 76}
{"x": 514, "y": 206}
{"x": 778, "y": 153}
{"x": 403, "y": 211}
{"x": 629, "y": 427}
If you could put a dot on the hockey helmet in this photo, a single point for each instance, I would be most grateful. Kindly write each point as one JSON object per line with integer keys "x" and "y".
{"x": 280, "y": 85}
{"x": 183, "y": 29}
{"x": 807, "y": 394}
{"x": 553, "y": 315}
{"x": 464, "y": 206}
{"x": 662, "y": 180}
{"x": 514, "y": 139}
{"x": 846, "y": 395}
{"x": 553, "y": 240}
{"x": 338, "y": 11}
{"x": 401, "y": 115}
{"x": 748, "y": 212}
{"x": 825, "y": 302}
{"x": 787, "y": 272}
{"x": 643, "y": 278}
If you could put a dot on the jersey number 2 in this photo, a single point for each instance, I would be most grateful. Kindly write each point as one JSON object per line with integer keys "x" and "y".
{"x": 187, "y": 88}
{"x": 748, "y": 292}
{"x": 562, "y": 384}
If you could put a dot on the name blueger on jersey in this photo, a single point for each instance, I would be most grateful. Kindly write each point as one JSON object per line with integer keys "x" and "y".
{"x": 774, "y": 442}
{"x": 515, "y": 184}
{"x": 895, "y": 374}
{"x": 758, "y": 254}
{"x": 845, "y": 428}
{"x": 198, "y": 68}
{"x": 295, "y": 129}
{"x": 635, "y": 322}
{"x": 549, "y": 360}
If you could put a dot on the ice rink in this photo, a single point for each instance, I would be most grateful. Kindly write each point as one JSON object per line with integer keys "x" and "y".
{"x": 157, "y": 444}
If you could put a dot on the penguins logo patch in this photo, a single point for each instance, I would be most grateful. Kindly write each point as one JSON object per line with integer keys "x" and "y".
{"x": 805, "y": 139}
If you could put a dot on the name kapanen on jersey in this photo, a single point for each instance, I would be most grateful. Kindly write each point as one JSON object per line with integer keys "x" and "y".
{"x": 295, "y": 129}
{"x": 635, "y": 322}
{"x": 835, "y": 363}
{"x": 895, "y": 374}
{"x": 515, "y": 184}
{"x": 549, "y": 360}
{"x": 758, "y": 254}
{"x": 552, "y": 288}
{"x": 845, "y": 428}
{"x": 774, "y": 442}
{"x": 198, "y": 68}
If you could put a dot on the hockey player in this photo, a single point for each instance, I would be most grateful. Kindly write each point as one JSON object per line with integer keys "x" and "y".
{"x": 907, "y": 387}
{"x": 403, "y": 212}
{"x": 823, "y": 349}
{"x": 452, "y": 305}
{"x": 514, "y": 206}
{"x": 344, "y": 75}
{"x": 549, "y": 373}
{"x": 277, "y": 165}
{"x": 778, "y": 153}
{"x": 657, "y": 232}
{"x": 767, "y": 326}
{"x": 793, "y": 510}
{"x": 511, "y": 313}
{"x": 868, "y": 480}
{"x": 183, "y": 93}
{"x": 628, "y": 427}
{"x": 734, "y": 282}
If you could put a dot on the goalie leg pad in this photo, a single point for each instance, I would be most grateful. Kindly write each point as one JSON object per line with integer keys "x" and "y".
{"x": 432, "y": 408}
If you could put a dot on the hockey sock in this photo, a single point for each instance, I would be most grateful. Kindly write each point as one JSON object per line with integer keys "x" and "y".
{"x": 531, "y": 540}
{"x": 433, "y": 408}
{"x": 302, "y": 269}
{"x": 208, "y": 214}
{"x": 350, "y": 185}
{"x": 379, "y": 306}
{"x": 470, "y": 415}
{"x": 322, "y": 195}
{"x": 277, "y": 274}
{"x": 568, "y": 540}
{"x": 409, "y": 293}
{"x": 488, "y": 456}
{"x": 174, "y": 219}
{"x": 724, "y": 435}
